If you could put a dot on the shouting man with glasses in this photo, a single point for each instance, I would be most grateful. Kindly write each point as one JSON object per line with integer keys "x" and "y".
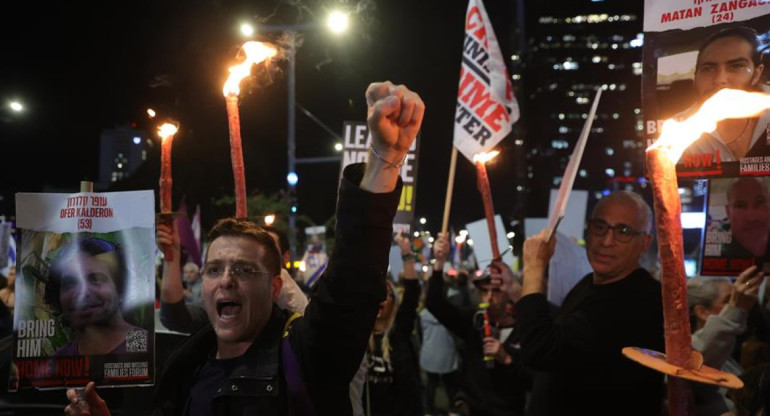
{"x": 577, "y": 353}
{"x": 253, "y": 358}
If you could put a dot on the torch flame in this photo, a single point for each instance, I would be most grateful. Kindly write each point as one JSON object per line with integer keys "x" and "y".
{"x": 256, "y": 52}
{"x": 726, "y": 103}
{"x": 167, "y": 130}
{"x": 485, "y": 157}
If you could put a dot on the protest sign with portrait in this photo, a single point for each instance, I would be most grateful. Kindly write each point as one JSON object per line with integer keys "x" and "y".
{"x": 692, "y": 49}
{"x": 737, "y": 225}
{"x": 85, "y": 290}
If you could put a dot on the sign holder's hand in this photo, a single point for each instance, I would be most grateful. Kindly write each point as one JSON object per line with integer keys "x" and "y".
{"x": 745, "y": 290}
{"x": 536, "y": 254}
{"x": 441, "y": 250}
{"x": 87, "y": 403}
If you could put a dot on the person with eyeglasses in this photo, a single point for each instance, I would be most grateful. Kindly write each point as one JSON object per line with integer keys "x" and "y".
{"x": 748, "y": 217}
{"x": 85, "y": 287}
{"x": 256, "y": 359}
{"x": 577, "y": 352}
{"x": 177, "y": 314}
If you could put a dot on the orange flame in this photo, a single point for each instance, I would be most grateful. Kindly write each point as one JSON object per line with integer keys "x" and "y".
{"x": 167, "y": 130}
{"x": 485, "y": 157}
{"x": 256, "y": 52}
{"x": 676, "y": 136}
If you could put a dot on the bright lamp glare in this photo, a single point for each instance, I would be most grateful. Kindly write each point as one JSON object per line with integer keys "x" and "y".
{"x": 338, "y": 147}
{"x": 337, "y": 22}
{"x": 247, "y": 29}
{"x": 16, "y": 106}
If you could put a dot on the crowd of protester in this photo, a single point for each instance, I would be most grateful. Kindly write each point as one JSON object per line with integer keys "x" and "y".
{"x": 439, "y": 337}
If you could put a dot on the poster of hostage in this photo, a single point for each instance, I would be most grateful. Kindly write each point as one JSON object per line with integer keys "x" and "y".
{"x": 355, "y": 149}
{"x": 692, "y": 49}
{"x": 85, "y": 290}
{"x": 737, "y": 225}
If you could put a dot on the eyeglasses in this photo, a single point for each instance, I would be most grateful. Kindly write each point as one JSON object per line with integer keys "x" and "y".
{"x": 239, "y": 271}
{"x": 621, "y": 232}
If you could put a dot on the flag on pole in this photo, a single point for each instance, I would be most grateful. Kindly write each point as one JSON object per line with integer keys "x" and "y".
{"x": 486, "y": 107}
{"x": 456, "y": 250}
{"x": 196, "y": 224}
{"x": 187, "y": 237}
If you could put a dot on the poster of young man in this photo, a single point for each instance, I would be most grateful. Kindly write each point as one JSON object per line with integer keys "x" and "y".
{"x": 85, "y": 290}
{"x": 692, "y": 49}
{"x": 737, "y": 225}
{"x": 356, "y": 148}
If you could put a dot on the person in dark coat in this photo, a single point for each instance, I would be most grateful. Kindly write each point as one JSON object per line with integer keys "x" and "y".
{"x": 253, "y": 358}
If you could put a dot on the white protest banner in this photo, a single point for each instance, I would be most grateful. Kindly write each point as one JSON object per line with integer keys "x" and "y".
{"x": 86, "y": 264}
{"x": 355, "y": 149}
{"x": 486, "y": 108}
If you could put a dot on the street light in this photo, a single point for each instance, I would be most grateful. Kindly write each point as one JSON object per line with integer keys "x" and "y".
{"x": 16, "y": 106}
{"x": 338, "y": 23}
{"x": 247, "y": 30}
{"x": 269, "y": 219}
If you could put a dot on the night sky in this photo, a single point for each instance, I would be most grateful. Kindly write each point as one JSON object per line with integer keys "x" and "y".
{"x": 82, "y": 68}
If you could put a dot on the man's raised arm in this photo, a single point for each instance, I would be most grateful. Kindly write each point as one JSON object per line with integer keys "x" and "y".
{"x": 331, "y": 339}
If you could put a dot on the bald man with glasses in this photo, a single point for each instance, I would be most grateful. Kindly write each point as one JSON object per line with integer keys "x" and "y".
{"x": 577, "y": 352}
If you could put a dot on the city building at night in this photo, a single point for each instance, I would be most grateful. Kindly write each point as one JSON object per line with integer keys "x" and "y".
{"x": 121, "y": 151}
{"x": 570, "y": 52}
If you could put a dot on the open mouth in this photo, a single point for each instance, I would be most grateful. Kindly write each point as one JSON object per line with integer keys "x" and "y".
{"x": 228, "y": 309}
{"x": 89, "y": 306}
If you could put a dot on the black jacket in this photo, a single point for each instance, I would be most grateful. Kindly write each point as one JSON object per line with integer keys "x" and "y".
{"x": 329, "y": 341}
{"x": 578, "y": 352}
{"x": 407, "y": 399}
{"x": 500, "y": 390}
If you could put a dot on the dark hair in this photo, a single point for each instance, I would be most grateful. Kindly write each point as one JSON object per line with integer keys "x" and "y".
{"x": 283, "y": 237}
{"x": 88, "y": 245}
{"x": 462, "y": 278}
{"x": 236, "y": 227}
{"x": 744, "y": 32}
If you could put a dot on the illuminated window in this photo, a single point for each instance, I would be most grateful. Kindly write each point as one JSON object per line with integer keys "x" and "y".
{"x": 559, "y": 144}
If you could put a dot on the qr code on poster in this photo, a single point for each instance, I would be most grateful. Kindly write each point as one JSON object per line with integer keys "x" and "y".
{"x": 136, "y": 341}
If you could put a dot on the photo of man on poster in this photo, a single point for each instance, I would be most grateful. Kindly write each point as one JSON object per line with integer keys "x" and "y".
{"x": 740, "y": 225}
{"x": 731, "y": 58}
{"x": 85, "y": 287}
